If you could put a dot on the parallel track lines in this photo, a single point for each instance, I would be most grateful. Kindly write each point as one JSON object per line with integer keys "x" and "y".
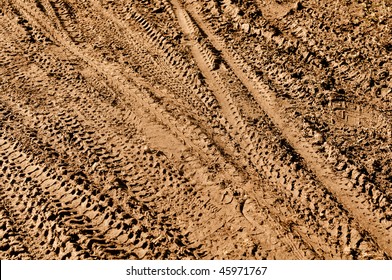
{"x": 143, "y": 142}
{"x": 338, "y": 186}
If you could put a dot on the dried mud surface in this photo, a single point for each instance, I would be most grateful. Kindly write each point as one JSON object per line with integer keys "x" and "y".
{"x": 220, "y": 129}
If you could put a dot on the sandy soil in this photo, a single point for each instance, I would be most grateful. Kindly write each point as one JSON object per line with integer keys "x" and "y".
{"x": 220, "y": 129}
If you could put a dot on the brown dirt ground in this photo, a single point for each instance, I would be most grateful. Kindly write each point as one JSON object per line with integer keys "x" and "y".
{"x": 216, "y": 129}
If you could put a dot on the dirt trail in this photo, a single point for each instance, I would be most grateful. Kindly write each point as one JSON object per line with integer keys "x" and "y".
{"x": 133, "y": 131}
{"x": 276, "y": 110}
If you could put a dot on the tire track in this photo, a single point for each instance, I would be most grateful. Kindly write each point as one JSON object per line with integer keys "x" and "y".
{"x": 119, "y": 131}
{"x": 83, "y": 197}
{"x": 340, "y": 186}
{"x": 227, "y": 102}
{"x": 12, "y": 245}
{"x": 297, "y": 70}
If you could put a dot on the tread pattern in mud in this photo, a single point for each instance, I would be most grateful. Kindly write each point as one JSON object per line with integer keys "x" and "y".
{"x": 194, "y": 130}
